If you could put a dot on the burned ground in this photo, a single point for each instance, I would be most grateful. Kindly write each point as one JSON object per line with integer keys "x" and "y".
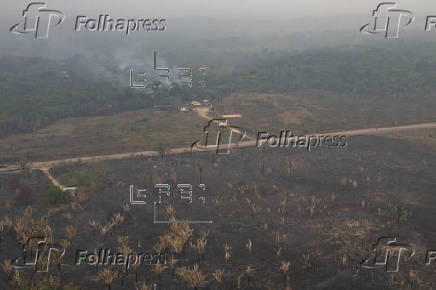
{"x": 322, "y": 211}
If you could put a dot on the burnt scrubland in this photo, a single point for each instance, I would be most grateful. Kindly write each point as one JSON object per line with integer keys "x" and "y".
{"x": 258, "y": 218}
{"x": 282, "y": 219}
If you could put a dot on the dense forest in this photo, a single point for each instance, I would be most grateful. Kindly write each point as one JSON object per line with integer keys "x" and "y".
{"x": 363, "y": 70}
{"x": 36, "y": 91}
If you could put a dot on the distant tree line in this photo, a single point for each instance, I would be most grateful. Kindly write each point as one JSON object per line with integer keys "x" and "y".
{"x": 36, "y": 91}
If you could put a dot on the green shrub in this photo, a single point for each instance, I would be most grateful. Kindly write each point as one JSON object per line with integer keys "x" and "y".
{"x": 55, "y": 195}
{"x": 80, "y": 178}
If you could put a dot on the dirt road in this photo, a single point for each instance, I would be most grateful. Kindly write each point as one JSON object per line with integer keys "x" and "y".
{"x": 52, "y": 179}
{"x": 46, "y": 165}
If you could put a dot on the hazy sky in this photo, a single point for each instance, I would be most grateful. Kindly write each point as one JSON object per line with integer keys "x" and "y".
{"x": 219, "y": 19}
{"x": 223, "y": 8}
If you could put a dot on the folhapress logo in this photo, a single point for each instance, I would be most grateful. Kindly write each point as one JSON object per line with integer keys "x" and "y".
{"x": 387, "y": 254}
{"x": 222, "y": 130}
{"x": 40, "y": 247}
{"x": 387, "y": 19}
{"x": 38, "y": 20}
